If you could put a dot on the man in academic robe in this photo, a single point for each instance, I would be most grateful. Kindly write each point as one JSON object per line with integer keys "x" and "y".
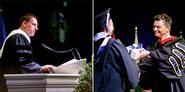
{"x": 163, "y": 63}
{"x": 114, "y": 70}
{"x": 16, "y": 55}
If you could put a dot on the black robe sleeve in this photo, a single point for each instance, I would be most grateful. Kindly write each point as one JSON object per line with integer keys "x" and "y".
{"x": 25, "y": 56}
{"x": 164, "y": 71}
{"x": 169, "y": 58}
{"x": 17, "y": 56}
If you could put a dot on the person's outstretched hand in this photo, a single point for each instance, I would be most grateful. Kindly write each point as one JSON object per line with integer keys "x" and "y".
{"x": 142, "y": 54}
{"x": 47, "y": 68}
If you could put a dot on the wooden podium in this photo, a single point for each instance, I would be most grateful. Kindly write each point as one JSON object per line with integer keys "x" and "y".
{"x": 41, "y": 82}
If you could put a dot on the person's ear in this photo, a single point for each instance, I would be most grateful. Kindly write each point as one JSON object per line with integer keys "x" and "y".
{"x": 23, "y": 23}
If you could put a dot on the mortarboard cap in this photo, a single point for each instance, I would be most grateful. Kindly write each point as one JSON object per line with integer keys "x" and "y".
{"x": 101, "y": 19}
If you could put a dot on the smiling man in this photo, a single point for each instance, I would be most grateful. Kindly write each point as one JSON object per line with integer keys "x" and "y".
{"x": 164, "y": 68}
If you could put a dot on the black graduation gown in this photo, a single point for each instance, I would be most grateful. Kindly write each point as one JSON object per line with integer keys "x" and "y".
{"x": 17, "y": 58}
{"x": 163, "y": 72}
{"x": 114, "y": 71}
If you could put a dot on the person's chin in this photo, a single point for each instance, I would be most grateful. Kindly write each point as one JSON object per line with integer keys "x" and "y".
{"x": 31, "y": 35}
{"x": 157, "y": 35}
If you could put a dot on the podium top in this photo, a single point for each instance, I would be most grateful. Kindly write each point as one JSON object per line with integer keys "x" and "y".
{"x": 41, "y": 75}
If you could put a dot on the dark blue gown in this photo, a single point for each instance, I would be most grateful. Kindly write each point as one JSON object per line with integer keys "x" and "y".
{"x": 114, "y": 70}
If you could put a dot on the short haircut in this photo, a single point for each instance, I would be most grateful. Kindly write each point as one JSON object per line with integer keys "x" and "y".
{"x": 167, "y": 19}
{"x": 27, "y": 17}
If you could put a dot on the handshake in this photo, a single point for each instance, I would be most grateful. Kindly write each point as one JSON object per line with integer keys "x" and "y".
{"x": 137, "y": 51}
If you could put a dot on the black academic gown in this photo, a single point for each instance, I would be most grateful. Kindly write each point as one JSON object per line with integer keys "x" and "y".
{"x": 163, "y": 72}
{"x": 17, "y": 58}
{"x": 114, "y": 71}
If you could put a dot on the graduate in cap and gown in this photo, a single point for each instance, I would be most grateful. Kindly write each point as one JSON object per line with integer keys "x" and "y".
{"x": 114, "y": 70}
{"x": 163, "y": 63}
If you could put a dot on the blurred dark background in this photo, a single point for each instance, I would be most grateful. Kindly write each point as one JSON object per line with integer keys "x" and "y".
{"x": 130, "y": 13}
{"x": 55, "y": 17}
{"x": 75, "y": 17}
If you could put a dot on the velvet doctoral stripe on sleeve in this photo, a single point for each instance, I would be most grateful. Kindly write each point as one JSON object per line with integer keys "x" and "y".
{"x": 25, "y": 55}
{"x": 17, "y": 56}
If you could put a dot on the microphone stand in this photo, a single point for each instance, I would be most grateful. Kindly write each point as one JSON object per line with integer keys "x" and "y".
{"x": 72, "y": 50}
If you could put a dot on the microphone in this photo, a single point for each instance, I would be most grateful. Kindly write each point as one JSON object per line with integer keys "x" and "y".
{"x": 46, "y": 47}
{"x": 63, "y": 52}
